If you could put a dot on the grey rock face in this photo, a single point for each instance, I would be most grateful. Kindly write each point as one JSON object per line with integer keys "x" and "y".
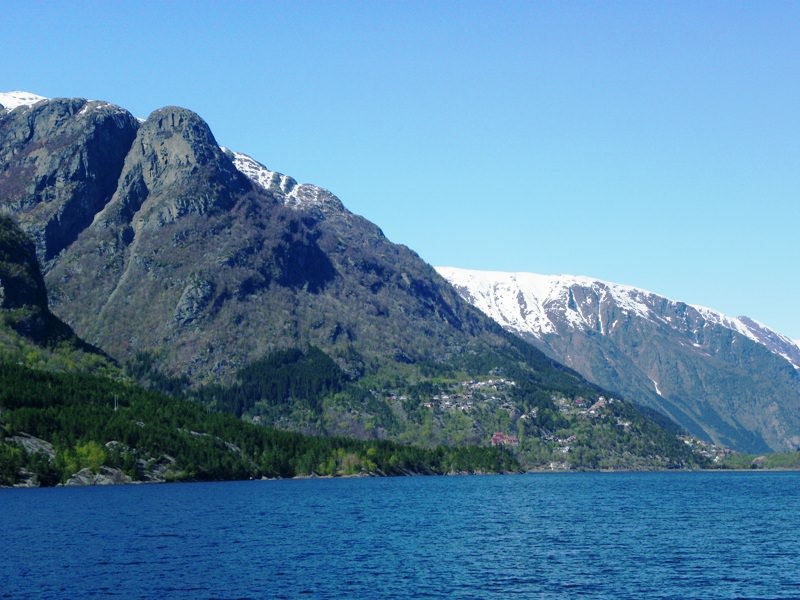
{"x": 59, "y": 165}
{"x": 193, "y": 301}
{"x": 34, "y": 445}
{"x": 719, "y": 384}
{"x": 105, "y": 476}
{"x": 176, "y": 161}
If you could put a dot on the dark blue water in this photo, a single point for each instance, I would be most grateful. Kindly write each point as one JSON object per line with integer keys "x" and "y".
{"x": 668, "y": 535}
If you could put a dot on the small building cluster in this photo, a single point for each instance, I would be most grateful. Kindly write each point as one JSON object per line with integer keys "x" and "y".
{"x": 474, "y": 394}
{"x": 501, "y": 439}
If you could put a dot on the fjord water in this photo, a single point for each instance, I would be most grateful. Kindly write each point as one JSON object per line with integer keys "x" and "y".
{"x": 600, "y": 535}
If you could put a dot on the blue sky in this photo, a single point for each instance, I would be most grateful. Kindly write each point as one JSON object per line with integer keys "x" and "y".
{"x": 655, "y": 144}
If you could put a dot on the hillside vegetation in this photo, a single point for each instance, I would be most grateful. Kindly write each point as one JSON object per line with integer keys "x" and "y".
{"x": 91, "y": 422}
{"x": 561, "y": 424}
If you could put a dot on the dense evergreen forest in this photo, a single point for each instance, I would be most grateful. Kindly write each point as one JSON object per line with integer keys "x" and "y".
{"x": 302, "y": 376}
{"x": 93, "y": 421}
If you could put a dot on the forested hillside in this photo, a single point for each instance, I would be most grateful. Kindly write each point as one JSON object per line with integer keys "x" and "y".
{"x": 557, "y": 421}
{"x": 89, "y": 422}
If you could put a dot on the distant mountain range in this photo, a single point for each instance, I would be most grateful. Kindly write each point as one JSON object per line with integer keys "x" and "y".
{"x": 729, "y": 380}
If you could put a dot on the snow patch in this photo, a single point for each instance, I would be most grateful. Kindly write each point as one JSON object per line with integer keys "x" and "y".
{"x": 714, "y": 317}
{"x": 261, "y": 175}
{"x": 12, "y": 100}
{"x": 93, "y": 105}
{"x": 547, "y": 298}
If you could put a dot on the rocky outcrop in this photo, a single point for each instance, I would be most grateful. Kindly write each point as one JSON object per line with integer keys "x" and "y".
{"x": 33, "y": 445}
{"x": 104, "y": 476}
{"x": 193, "y": 301}
{"x": 174, "y": 168}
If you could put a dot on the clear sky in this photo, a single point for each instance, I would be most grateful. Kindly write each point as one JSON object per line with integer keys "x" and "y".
{"x": 655, "y": 144}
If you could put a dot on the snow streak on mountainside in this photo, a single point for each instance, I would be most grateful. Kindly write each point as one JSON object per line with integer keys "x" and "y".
{"x": 300, "y": 196}
{"x": 537, "y": 304}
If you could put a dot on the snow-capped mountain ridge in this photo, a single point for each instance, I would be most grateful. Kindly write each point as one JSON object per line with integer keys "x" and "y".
{"x": 534, "y": 304}
{"x": 730, "y": 380}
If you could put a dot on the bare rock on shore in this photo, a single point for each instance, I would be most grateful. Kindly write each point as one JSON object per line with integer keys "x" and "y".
{"x": 105, "y": 476}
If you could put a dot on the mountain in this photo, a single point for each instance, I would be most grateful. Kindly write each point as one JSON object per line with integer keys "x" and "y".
{"x": 150, "y": 236}
{"x": 68, "y": 415}
{"x": 207, "y": 274}
{"x": 728, "y": 380}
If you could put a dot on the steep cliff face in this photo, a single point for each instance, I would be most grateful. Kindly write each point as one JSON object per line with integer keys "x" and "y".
{"x": 728, "y": 380}
{"x": 174, "y": 168}
{"x": 21, "y": 283}
{"x": 59, "y": 165}
{"x": 23, "y": 296}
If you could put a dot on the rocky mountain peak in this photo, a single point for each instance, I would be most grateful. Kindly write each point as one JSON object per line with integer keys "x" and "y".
{"x": 60, "y": 163}
{"x": 179, "y": 137}
{"x": 174, "y": 168}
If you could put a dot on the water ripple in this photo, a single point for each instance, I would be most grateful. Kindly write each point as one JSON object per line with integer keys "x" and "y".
{"x": 683, "y": 535}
